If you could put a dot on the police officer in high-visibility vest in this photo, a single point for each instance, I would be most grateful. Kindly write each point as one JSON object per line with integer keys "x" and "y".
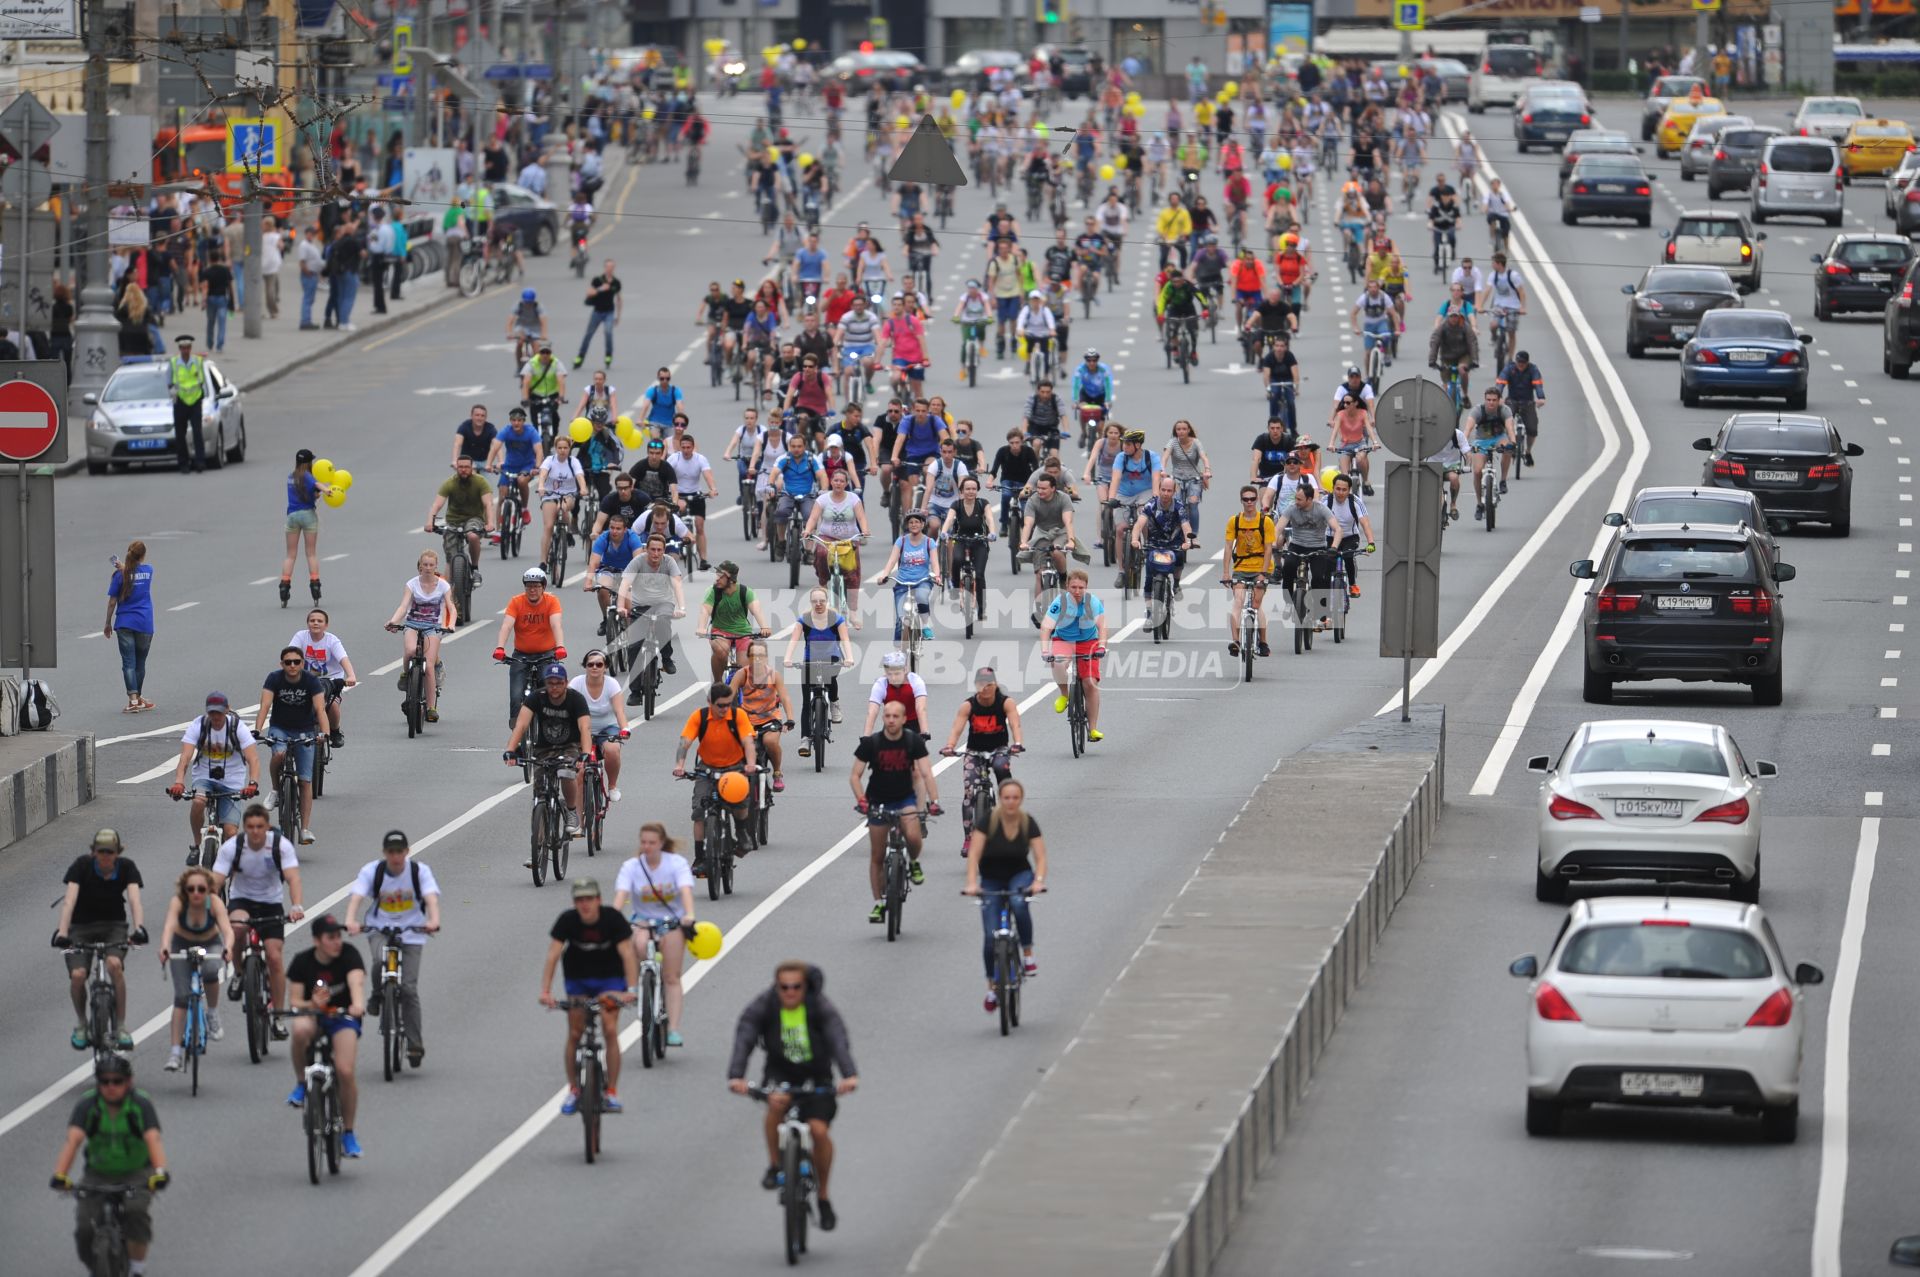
{"x": 188, "y": 385}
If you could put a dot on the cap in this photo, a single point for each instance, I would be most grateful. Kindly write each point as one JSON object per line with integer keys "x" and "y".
{"x": 1353, "y": 370}
{"x": 1519, "y": 356}
{"x": 554, "y": 670}
{"x": 584, "y": 887}
{"x": 184, "y": 339}
{"x": 327, "y": 925}
{"x": 303, "y": 457}
{"x": 107, "y": 840}
{"x": 731, "y": 568}
{"x": 893, "y": 660}
{"x": 833, "y": 441}
{"x": 394, "y": 841}
{"x": 546, "y": 346}
{"x": 216, "y": 700}
{"x": 985, "y": 674}
{"x": 1036, "y": 293}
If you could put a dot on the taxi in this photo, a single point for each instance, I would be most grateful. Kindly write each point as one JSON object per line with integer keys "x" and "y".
{"x": 1678, "y": 119}
{"x": 1874, "y": 147}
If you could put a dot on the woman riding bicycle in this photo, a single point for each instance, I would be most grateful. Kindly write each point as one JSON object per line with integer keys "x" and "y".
{"x": 1007, "y": 854}
{"x": 196, "y": 919}
{"x": 426, "y": 608}
{"x": 823, "y": 631}
{"x": 656, "y": 887}
{"x": 606, "y": 714}
{"x": 913, "y": 569}
{"x": 762, "y": 693}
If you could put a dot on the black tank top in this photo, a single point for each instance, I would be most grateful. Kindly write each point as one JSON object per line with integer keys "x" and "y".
{"x": 987, "y": 724}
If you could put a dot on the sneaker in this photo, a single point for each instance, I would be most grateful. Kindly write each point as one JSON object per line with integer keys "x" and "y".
{"x": 613, "y": 795}
{"x": 415, "y": 1054}
{"x": 349, "y": 1144}
{"x": 674, "y": 1038}
{"x": 1233, "y": 649}
{"x": 1503, "y": 487}
{"x": 307, "y": 834}
{"x": 878, "y": 915}
{"x": 176, "y": 1059}
{"x": 610, "y": 1103}
{"x": 1264, "y": 650}
{"x": 1479, "y": 511}
{"x": 835, "y": 713}
{"x": 573, "y": 826}
{"x": 705, "y": 566}
{"x": 780, "y": 782}
{"x": 233, "y": 988}
{"x": 1529, "y": 458}
{"x": 1366, "y": 489}
{"x": 526, "y": 517}
{"x": 193, "y": 857}
{"x": 1353, "y": 591}
{"x": 828, "y": 1220}
{"x": 915, "y": 874}
{"x": 297, "y": 1096}
{"x": 806, "y": 750}
{"x": 1060, "y": 703}
{"x": 666, "y": 663}
{"x": 570, "y": 1105}
{"x": 215, "y": 1029}
{"x": 348, "y": 328}
{"x": 1095, "y": 734}
{"x": 578, "y": 360}
{"x": 1031, "y": 967}
{"x": 277, "y": 1029}
{"x": 992, "y": 1002}
{"x": 123, "y": 1040}
{"x": 770, "y": 1180}
{"x": 79, "y": 1039}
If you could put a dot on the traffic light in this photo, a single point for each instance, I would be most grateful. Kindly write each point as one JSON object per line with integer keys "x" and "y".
{"x": 1050, "y": 13}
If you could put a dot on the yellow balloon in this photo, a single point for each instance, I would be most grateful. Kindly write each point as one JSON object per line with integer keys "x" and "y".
{"x": 958, "y": 98}
{"x": 806, "y": 159}
{"x": 623, "y": 423}
{"x": 335, "y": 499}
{"x": 1120, "y": 161}
{"x": 1138, "y": 110}
{"x": 1233, "y": 89}
{"x": 800, "y": 46}
{"x": 1283, "y": 161}
{"x": 343, "y": 479}
{"x": 580, "y": 430}
{"x": 1133, "y": 95}
{"x": 706, "y": 941}
{"x": 629, "y": 437}
{"x": 1106, "y": 172}
{"x": 646, "y": 113}
{"x": 716, "y": 47}
{"x": 1066, "y": 161}
{"x": 901, "y": 121}
{"x": 323, "y": 470}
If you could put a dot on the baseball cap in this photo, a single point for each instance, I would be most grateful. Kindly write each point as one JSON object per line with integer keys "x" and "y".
{"x": 985, "y": 674}
{"x": 303, "y": 456}
{"x": 833, "y": 441}
{"x": 107, "y": 839}
{"x": 184, "y": 339}
{"x": 216, "y": 700}
{"x": 395, "y": 840}
{"x": 731, "y": 568}
{"x": 583, "y": 887}
{"x": 327, "y": 925}
{"x": 554, "y": 669}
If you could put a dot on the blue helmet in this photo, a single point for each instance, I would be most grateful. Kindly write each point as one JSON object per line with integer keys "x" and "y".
{"x": 527, "y": 294}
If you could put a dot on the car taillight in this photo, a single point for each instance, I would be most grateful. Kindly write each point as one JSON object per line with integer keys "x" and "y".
{"x": 1670, "y": 250}
{"x": 1643, "y": 190}
{"x": 1803, "y": 132}
{"x": 1775, "y": 1013}
{"x": 1611, "y": 600}
{"x": 1788, "y": 358}
{"x": 1759, "y": 603}
{"x": 1853, "y": 146}
{"x": 1567, "y": 809}
{"x": 1586, "y": 119}
{"x": 1705, "y": 357}
{"x": 1839, "y": 268}
{"x": 1724, "y": 469}
{"x": 1665, "y": 922}
{"x": 1913, "y": 193}
{"x": 1553, "y": 1005}
{"x": 1905, "y": 300}
{"x": 1527, "y": 118}
{"x": 1581, "y": 188}
{"x": 1823, "y": 472}
{"x": 1486, "y": 68}
{"x": 1719, "y": 155}
{"x": 1733, "y": 813}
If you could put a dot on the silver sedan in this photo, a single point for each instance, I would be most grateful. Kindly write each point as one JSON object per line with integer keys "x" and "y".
{"x": 132, "y": 420}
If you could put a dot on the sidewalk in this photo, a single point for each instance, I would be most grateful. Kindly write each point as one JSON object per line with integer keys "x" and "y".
{"x": 43, "y": 776}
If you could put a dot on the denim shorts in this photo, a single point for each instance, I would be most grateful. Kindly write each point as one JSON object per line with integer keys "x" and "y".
{"x": 302, "y": 754}
{"x": 307, "y": 520}
{"x": 596, "y": 986}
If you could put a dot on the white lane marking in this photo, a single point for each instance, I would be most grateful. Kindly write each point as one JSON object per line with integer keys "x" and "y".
{"x": 152, "y": 773}
{"x": 1829, "y": 1207}
{"x": 1874, "y": 798}
{"x": 1882, "y": 751}
{"x": 313, "y": 910}
{"x": 168, "y": 730}
{"x": 265, "y": 580}
{"x": 181, "y": 607}
{"x": 1643, "y": 1253}
{"x": 333, "y": 558}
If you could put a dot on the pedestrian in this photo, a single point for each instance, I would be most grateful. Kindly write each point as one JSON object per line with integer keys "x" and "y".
{"x": 187, "y": 385}
{"x": 271, "y": 251}
{"x": 401, "y": 240}
{"x": 453, "y": 232}
{"x": 60, "y": 327}
{"x": 303, "y": 519}
{"x": 603, "y": 296}
{"x": 344, "y": 261}
{"x": 217, "y": 294}
{"x": 136, "y": 337}
{"x": 130, "y": 603}
{"x": 312, "y": 260}
{"x": 380, "y": 251}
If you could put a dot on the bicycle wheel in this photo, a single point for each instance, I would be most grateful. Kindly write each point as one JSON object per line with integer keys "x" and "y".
{"x": 729, "y": 851}
{"x": 289, "y": 794}
{"x": 1012, "y": 999}
{"x": 591, "y": 1090}
{"x": 649, "y": 687}
{"x": 646, "y": 1017}
{"x": 1300, "y": 643}
{"x": 1077, "y": 717}
{"x": 389, "y": 1034}
{"x": 332, "y": 1124}
{"x": 320, "y": 754}
{"x": 416, "y": 697}
{"x": 817, "y": 725}
{"x": 896, "y": 892}
{"x": 253, "y": 985}
{"x": 590, "y": 803}
{"x": 558, "y": 841}
{"x": 315, "y": 1123}
{"x": 109, "y": 1250}
{"x": 969, "y": 601}
{"x": 793, "y": 555}
{"x": 762, "y": 816}
{"x": 538, "y": 843}
{"x": 715, "y": 836}
{"x": 196, "y": 1038}
{"x": 1162, "y": 609}
{"x": 1186, "y": 356}
{"x": 793, "y": 1197}
{"x": 1003, "y": 985}
{"x": 463, "y": 585}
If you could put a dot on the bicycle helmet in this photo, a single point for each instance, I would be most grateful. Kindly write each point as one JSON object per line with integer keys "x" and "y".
{"x": 973, "y": 285}
{"x": 527, "y": 295}
{"x": 1134, "y": 436}
{"x": 914, "y": 514}
{"x": 112, "y": 1064}
{"x": 534, "y": 575}
{"x": 1092, "y": 354}
{"x": 1353, "y": 370}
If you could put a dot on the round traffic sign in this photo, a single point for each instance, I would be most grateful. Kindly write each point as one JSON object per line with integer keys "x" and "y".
{"x": 1410, "y": 405}
{"x": 29, "y": 420}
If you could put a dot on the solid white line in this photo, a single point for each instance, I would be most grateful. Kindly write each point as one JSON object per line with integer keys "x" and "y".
{"x": 1829, "y": 1207}
{"x": 152, "y": 773}
{"x": 168, "y": 730}
{"x": 181, "y": 607}
{"x": 265, "y": 580}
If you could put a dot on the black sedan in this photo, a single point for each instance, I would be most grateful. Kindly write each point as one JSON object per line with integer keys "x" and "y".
{"x": 1547, "y": 115}
{"x": 1900, "y": 334}
{"x": 1736, "y": 156}
{"x": 1794, "y": 464}
{"x": 535, "y": 217}
{"x": 1859, "y": 272}
{"x": 1668, "y": 302}
{"x": 1586, "y": 142}
{"x": 1608, "y": 186}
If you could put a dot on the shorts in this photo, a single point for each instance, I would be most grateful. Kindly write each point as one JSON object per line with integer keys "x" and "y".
{"x": 1247, "y": 297}
{"x": 113, "y": 933}
{"x": 850, "y": 353}
{"x": 136, "y": 1210}
{"x": 596, "y": 986}
{"x": 1084, "y": 648}
{"x": 307, "y": 520}
{"x": 554, "y": 497}
{"x": 1526, "y": 413}
{"x": 811, "y": 1108}
{"x": 1251, "y": 578}
{"x": 696, "y": 504}
{"x": 268, "y": 919}
{"x": 223, "y": 801}
{"x": 876, "y": 812}
{"x": 302, "y": 754}
{"x": 332, "y": 1024}
{"x": 1006, "y": 309}
{"x": 1393, "y": 290}
{"x": 606, "y": 579}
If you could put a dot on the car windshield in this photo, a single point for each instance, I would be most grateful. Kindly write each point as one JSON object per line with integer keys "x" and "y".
{"x": 1676, "y": 86}
{"x": 1802, "y": 158}
{"x": 1875, "y": 252}
{"x": 1660, "y": 949}
{"x": 1688, "y": 510}
{"x": 1684, "y": 559}
{"x": 1511, "y": 60}
{"x": 1708, "y": 227}
{"x": 1649, "y": 753}
{"x": 1746, "y": 138}
{"x": 1687, "y": 281}
{"x": 1713, "y": 125}
{"x": 149, "y": 382}
{"x": 1608, "y": 166}
{"x": 1778, "y": 436}
{"x": 1447, "y": 68}
{"x": 1832, "y": 106}
{"x": 1722, "y": 324}
{"x": 1554, "y": 100}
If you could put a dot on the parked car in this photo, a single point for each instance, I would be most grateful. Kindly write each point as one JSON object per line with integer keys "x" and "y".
{"x": 1608, "y": 186}
{"x": 891, "y": 69}
{"x": 1675, "y": 1003}
{"x": 1798, "y": 177}
{"x": 1666, "y": 305}
{"x": 132, "y": 419}
{"x": 1829, "y": 118}
{"x": 1874, "y": 148}
{"x": 1698, "y": 507}
{"x": 970, "y": 71}
{"x": 1667, "y": 90}
{"x": 1745, "y": 352}
{"x": 1697, "y": 151}
{"x": 1583, "y": 142}
{"x": 1902, "y": 206}
{"x": 1859, "y": 272}
{"x": 1692, "y": 604}
{"x": 1548, "y": 113}
{"x": 1735, "y": 158}
{"x": 535, "y": 217}
{"x": 1900, "y": 332}
{"x": 1711, "y": 238}
{"x": 1503, "y": 72}
{"x": 1678, "y": 121}
{"x": 1795, "y": 465}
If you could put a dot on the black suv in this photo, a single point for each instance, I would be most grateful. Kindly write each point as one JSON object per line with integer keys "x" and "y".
{"x": 1793, "y": 463}
{"x": 1900, "y": 336}
{"x": 1859, "y": 272}
{"x": 1698, "y": 605}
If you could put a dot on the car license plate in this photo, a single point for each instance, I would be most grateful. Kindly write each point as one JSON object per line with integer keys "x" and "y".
{"x": 1747, "y": 356}
{"x": 1646, "y": 806}
{"x": 148, "y": 445}
{"x": 1682, "y": 332}
{"x": 1554, "y": 135}
{"x": 1684, "y": 603}
{"x": 1776, "y": 476}
{"x": 1684, "y": 1086}
{"x": 1875, "y": 277}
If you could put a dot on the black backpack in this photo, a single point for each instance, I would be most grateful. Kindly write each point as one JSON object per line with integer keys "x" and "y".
{"x": 380, "y": 875}
{"x": 38, "y": 709}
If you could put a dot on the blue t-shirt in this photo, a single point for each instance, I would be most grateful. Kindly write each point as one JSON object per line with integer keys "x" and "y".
{"x": 614, "y": 557}
{"x": 801, "y": 476}
{"x": 1074, "y": 622}
{"x": 136, "y": 614}
{"x": 1136, "y": 473}
{"x": 517, "y": 447}
{"x": 661, "y": 407}
{"x": 303, "y": 491}
{"x": 811, "y": 263}
{"x": 922, "y": 435}
{"x": 916, "y": 561}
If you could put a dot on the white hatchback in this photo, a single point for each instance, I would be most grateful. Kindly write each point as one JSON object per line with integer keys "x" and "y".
{"x": 1682, "y": 1003}
{"x": 1649, "y": 798}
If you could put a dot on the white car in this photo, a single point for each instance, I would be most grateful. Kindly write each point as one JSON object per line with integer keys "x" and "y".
{"x": 1901, "y": 180}
{"x": 1684, "y": 1003}
{"x": 1649, "y": 798}
{"x": 1830, "y": 118}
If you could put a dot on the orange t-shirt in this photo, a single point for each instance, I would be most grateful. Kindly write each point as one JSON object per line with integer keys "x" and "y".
{"x": 718, "y": 748}
{"x": 533, "y": 623}
{"x": 1247, "y": 276}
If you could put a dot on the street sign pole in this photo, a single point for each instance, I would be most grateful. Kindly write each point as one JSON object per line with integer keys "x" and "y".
{"x": 1414, "y": 417}
{"x": 1406, "y": 630}
{"x": 32, "y": 428}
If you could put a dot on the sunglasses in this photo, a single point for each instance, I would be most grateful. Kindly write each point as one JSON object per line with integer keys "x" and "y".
{"x": 106, "y": 851}
{"x": 596, "y": 665}
{"x": 198, "y": 891}
{"x": 1249, "y": 498}
{"x": 784, "y": 987}
{"x": 111, "y": 1081}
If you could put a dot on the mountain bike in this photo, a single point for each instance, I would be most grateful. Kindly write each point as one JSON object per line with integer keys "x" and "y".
{"x": 590, "y": 1067}
{"x": 460, "y": 572}
{"x": 320, "y": 1117}
{"x": 1342, "y": 596}
{"x": 212, "y": 834}
{"x": 653, "y": 991}
{"x": 108, "y": 1254}
{"x": 795, "y": 1143}
{"x": 510, "y": 522}
{"x": 942, "y": 204}
{"x": 646, "y": 659}
{"x": 839, "y": 558}
{"x": 1039, "y": 359}
{"x": 981, "y": 784}
{"x": 323, "y": 744}
{"x": 723, "y": 836}
{"x": 248, "y": 986}
{"x": 964, "y": 578}
{"x": 1161, "y": 581}
{"x": 1502, "y": 329}
{"x": 897, "y": 874}
{"x": 1488, "y": 493}
{"x": 195, "y": 1037}
{"x": 555, "y": 555}
{"x": 1180, "y": 344}
{"x": 413, "y": 681}
{"x": 1454, "y": 380}
{"x": 1119, "y": 527}
{"x": 1076, "y": 696}
{"x": 593, "y": 795}
{"x": 913, "y": 620}
{"x": 816, "y": 708}
{"x": 1009, "y": 964}
{"x": 548, "y": 840}
{"x": 1298, "y": 586}
{"x": 522, "y": 672}
{"x": 286, "y": 789}
{"x": 1443, "y": 250}
{"x": 1249, "y": 618}
{"x": 1089, "y": 287}
{"x": 760, "y": 801}
{"x": 970, "y": 335}
{"x": 385, "y": 1001}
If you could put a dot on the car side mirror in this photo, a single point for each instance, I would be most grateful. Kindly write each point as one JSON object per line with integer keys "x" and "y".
{"x": 1855, "y": 450}
{"x": 1614, "y": 519}
{"x": 1807, "y": 973}
{"x": 1539, "y": 763}
{"x": 1806, "y": 339}
{"x": 1666, "y": 234}
{"x": 1759, "y": 234}
{"x": 1762, "y": 767}
{"x": 1527, "y": 967}
{"x": 1703, "y": 445}
{"x": 1815, "y": 258}
{"x": 1784, "y": 572}
{"x": 1626, "y": 290}
{"x": 1581, "y": 568}
{"x": 89, "y": 398}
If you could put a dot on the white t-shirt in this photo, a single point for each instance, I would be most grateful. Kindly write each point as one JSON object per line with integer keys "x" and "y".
{"x": 1114, "y": 217}
{"x": 561, "y": 478}
{"x": 1506, "y": 286}
{"x": 324, "y": 657}
{"x": 1469, "y": 278}
{"x": 658, "y": 899}
{"x": 688, "y": 470}
{"x": 838, "y": 522}
{"x": 599, "y": 712}
{"x": 251, "y": 872}
{"x": 396, "y": 905}
{"x": 1364, "y": 394}
{"x": 427, "y": 607}
{"x": 225, "y": 749}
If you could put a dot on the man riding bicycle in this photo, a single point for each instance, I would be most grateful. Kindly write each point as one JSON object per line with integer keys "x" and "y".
{"x": 1453, "y": 346}
{"x": 533, "y": 618}
{"x": 901, "y": 783}
{"x": 1307, "y": 526}
{"x": 1506, "y": 294}
{"x": 1092, "y": 385}
{"x": 1373, "y": 318}
{"x": 1526, "y": 394}
{"x": 526, "y": 324}
{"x": 331, "y": 979}
{"x": 1489, "y": 426}
{"x": 1250, "y": 539}
{"x": 543, "y": 384}
{"x": 555, "y": 722}
{"x": 1163, "y": 524}
{"x": 1132, "y": 483}
{"x": 721, "y": 738}
{"x": 1179, "y": 306}
{"x": 1443, "y": 214}
{"x": 730, "y": 615}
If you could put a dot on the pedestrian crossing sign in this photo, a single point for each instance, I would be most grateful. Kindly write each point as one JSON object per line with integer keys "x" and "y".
{"x": 253, "y": 146}
{"x": 1410, "y": 15}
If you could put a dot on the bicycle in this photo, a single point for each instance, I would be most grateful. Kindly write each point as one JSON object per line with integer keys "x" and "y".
{"x": 942, "y": 205}
{"x": 195, "y": 1036}
{"x": 980, "y": 786}
{"x": 1249, "y": 622}
{"x": 386, "y": 1004}
{"x": 1213, "y": 293}
{"x": 723, "y": 837}
{"x": 760, "y": 801}
{"x": 716, "y": 360}
{"x": 1076, "y": 697}
{"x": 970, "y": 334}
{"x": 964, "y": 579}
{"x": 1159, "y": 585}
{"x": 1342, "y": 596}
{"x": 555, "y": 557}
{"x": 320, "y": 1116}
{"x": 853, "y": 376}
{"x": 521, "y": 671}
{"x": 473, "y": 276}
{"x": 646, "y": 658}
{"x": 1348, "y": 459}
{"x": 413, "y": 681}
{"x": 1454, "y": 380}
{"x": 795, "y": 1144}
{"x": 1487, "y": 493}
{"x": 1009, "y": 964}
{"x": 323, "y": 745}
{"x": 207, "y": 847}
{"x": 590, "y": 1067}
{"x": 1118, "y": 528}
{"x": 1089, "y": 287}
{"x": 549, "y": 839}
{"x": 653, "y": 999}
{"x": 248, "y": 986}
{"x": 1181, "y": 338}
{"x": 912, "y": 620}
{"x": 460, "y": 568}
{"x": 837, "y": 598}
{"x": 897, "y": 874}
{"x": 109, "y": 1252}
{"x": 1039, "y": 359}
{"x": 1298, "y": 586}
{"x": 286, "y": 789}
{"x": 1443, "y": 249}
{"x": 1502, "y": 335}
{"x": 1356, "y": 259}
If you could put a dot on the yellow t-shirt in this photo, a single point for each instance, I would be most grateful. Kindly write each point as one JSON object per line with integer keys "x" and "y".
{"x": 1173, "y": 224}
{"x": 1250, "y": 545}
{"x": 1387, "y": 268}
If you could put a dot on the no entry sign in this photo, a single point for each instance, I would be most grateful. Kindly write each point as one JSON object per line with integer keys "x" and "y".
{"x": 29, "y": 420}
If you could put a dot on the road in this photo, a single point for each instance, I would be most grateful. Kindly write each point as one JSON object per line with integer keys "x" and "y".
{"x": 1410, "y": 1148}
{"x": 460, "y": 1154}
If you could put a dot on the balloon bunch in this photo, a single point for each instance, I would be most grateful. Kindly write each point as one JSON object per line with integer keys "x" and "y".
{"x": 335, "y": 480}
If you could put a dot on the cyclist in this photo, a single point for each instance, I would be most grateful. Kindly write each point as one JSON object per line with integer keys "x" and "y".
{"x": 1006, "y": 853}
{"x": 516, "y": 456}
{"x": 1075, "y": 627}
{"x": 327, "y": 659}
{"x": 606, "y": 714}
{"x": 214, "y": 743}
{"x": 1506, "y": 293}
{"x": 1164, "y": 523}
{"x": 101, "y": 905}
{"x": 916, "y": 441}
{"x": 730, "y": 616}
{"x": 1047, "y": 531}
{"x": 1092, "y": 387}
{"x": 898, "y": 685}
{"x": 404, "y": 895}
{"x": 1307, "y": 526}
{"x": 827, "y": 644}
{"x": 330, "y": 978}
{"x": 607, "y": 561}
{"x": 1526, "y": 394}
{"x": 1059, "y": 257}
{"x": 1454, "y": 345}
{"x": 805, "y": 1040}
{"x": 467, "y": 499}
{"x": 1452, "y": 458}
{"x": 1250, "y": 538}
{"x": 293, "y": 704}
{"x": 1443, "y": 213}
{"x": 1489, "y": 426}
{"x": 543, "y": 385}
{"x": 1350, "y": 432}
{"x": 120, "y": 1129}
{"x": 1173, "y": 227}
{"x": 1188, "y": 464}
{"x": 1384, "y": 266}
{"x": 901, "y": 783}
{"x": 1466, "y": 156}
{"x": 1249, "y": 282}
{"x": 1280, "y": 376}
{"x": 972, "y": 313}
{"x": 991, "y": 720}
{"x": 1091, "y": 247}
{"x": 1179, "y": 304}
{"x": 944, "y": 473}
{"x": 1373, "y": 317}
{"x": 526, "y": 324}
{"x": 693, "y": 484}
{"x": 653, "y": 586}
{"x": 1499, "y": 214}
{"x": 1036, "y": 325}
{"x": 798, "y": 477}
{"x": 1457, "y": 302}
{"x": 533, "y": 618}
{"x": 858, "y": 334}
{"x": 914, "y": 569}
{"x": 721, "y": 738}
{"x": 1132, "y": 482}
{"x": 259, "y": 872}
{"x": 593, "y": 948}
{"x": 1350, "y": 515}
{"x": 196, "y": 918}
{"x": 561, "y": 483}
{"x": 761, "y": 692}
{"x": 655, "y": 886}
{"x": 554, "y": 722}
{"x": 1112, "y": 218}
{"x": 1209, "y": 269}
{"x": 1040, "y": 422}
{"x": 653, "y": 478}
{"x": 1271, "y": 450}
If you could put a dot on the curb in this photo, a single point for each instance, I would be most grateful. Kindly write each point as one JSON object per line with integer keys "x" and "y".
{"x": 49, "y": 787}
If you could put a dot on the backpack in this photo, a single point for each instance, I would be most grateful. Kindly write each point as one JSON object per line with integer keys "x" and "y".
{"x": 380, "y": 874}
{"x": 233, "y": 737}
{"x": 38, "y": 709}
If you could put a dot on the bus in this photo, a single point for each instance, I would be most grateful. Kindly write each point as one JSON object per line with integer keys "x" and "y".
{"x": 198, "y": 153}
